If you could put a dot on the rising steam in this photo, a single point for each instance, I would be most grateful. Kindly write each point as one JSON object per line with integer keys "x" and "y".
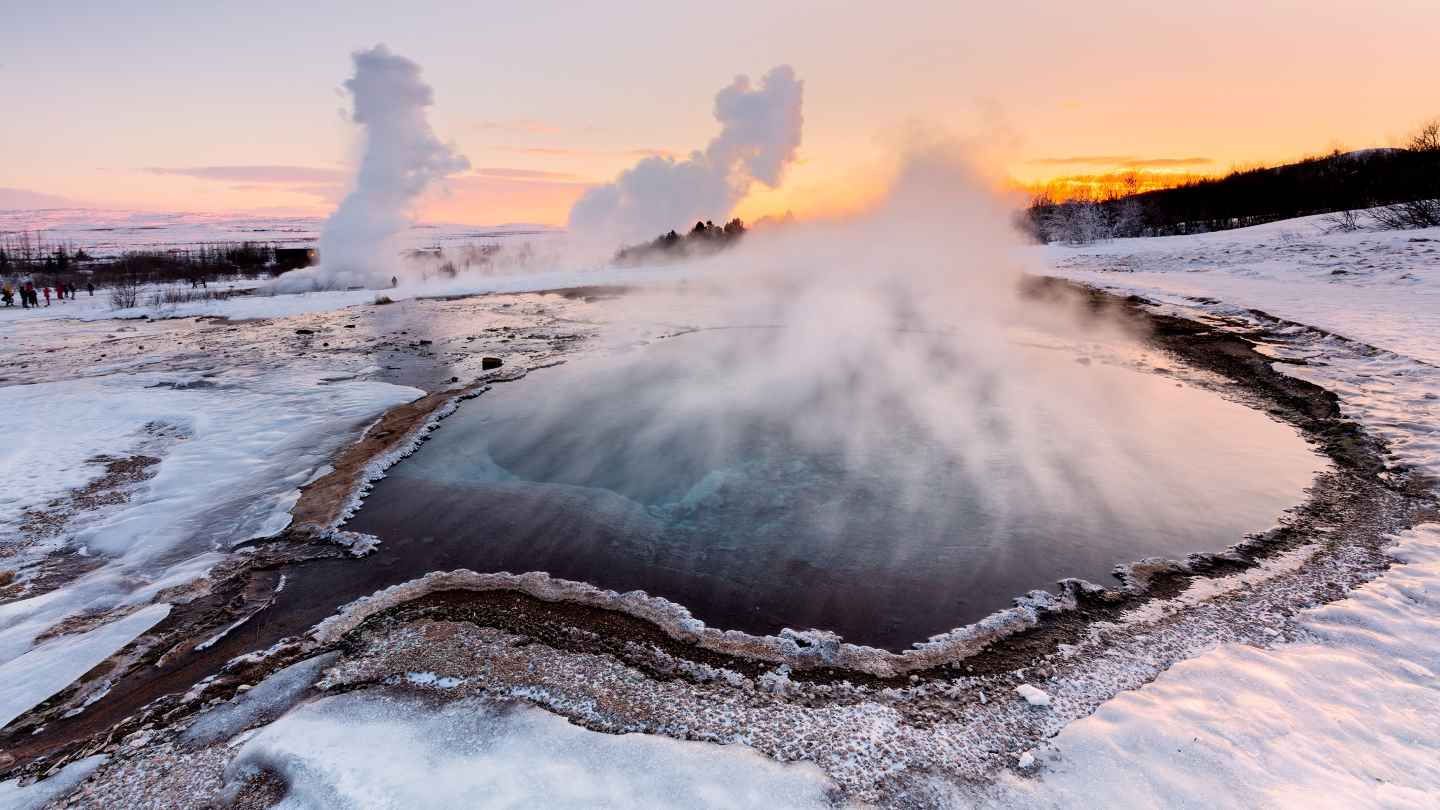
{"x": 907, "y": 327}
{"x": 760, "y": 132}
{"x": 401, "y": 158}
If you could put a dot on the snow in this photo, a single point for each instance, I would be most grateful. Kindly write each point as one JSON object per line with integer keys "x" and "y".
{"x": 1345, "y": 716}
{"x": 1381, "y": 288}
{"x": 30, "y": 679}
{"x": 266, "y": 701}
{"x": 1033, "y": 695}
{"x": 107, "y": 232}
{"x": 37, "y": 794}
{"x": 1345, "y": 720}
{"x": 373, "y": 750}
{"x": 263, "y": 304}
{"x": 233, "y": 448}
{"x": 431, "y": 679}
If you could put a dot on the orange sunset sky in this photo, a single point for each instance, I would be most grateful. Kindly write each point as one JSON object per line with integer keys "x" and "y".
{"x": 236, "y": 107}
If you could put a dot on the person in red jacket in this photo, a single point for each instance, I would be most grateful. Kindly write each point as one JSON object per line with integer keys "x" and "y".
{"x": 47, "y": 295}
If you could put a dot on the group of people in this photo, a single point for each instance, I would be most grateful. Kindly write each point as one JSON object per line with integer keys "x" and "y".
{"x": 30, "y": 297}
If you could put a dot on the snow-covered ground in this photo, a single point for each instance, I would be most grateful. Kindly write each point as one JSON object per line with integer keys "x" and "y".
{"x": 371, "y": 750}
{"x": 102, "y": 232}
{"x": 1347, "y": 714}
{"x": 140, "y": 481}
{"x": 1376, "y": 287}
{"x": 262, "y": 303}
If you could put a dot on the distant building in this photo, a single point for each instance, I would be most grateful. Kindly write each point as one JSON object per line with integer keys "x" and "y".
{"x": 293, "y": 258}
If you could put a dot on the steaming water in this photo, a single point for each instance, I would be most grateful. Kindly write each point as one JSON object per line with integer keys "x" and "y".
{"x": 771, "y": 522}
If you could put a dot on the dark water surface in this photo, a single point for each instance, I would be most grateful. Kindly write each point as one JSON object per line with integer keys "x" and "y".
{"x": 622, "y": 472}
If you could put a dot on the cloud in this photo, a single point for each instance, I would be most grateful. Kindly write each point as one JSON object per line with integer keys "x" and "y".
{"x": 526, "y": 174}
{"x": 547, "y": 151}
{"x": 254, "y": 174}
{"x": 330, "y": 193}
{"x": 1155, "y": 163}
{"x": 1121, "y": 161}
{"x": 21, "y": 198}
{"x": 521, "y": 126}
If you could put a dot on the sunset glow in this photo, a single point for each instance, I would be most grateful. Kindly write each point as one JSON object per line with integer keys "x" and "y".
{"x": 241, "y": 112}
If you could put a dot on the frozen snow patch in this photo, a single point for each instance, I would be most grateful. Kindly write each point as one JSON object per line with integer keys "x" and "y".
{"x": 1033, "y": 695}
{"x": 373, "y": 750}
{"x": 35, "y": 795}
{"x": 34, "y": 677}
{"x": 272, "y": 696}
{"x": 433, "y": 680}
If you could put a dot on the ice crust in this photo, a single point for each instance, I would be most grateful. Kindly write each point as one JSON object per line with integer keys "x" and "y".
{"x": 14, "y": 796}
{"x": 266, "y": 701}
{"x": 232, "y": 453}
{"x": 33, "y": 677}
{"x": 799, "y": 649}
{"x": 375, "y": 750}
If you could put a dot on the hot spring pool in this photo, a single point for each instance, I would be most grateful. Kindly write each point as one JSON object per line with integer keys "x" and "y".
{"x": 766, "y": 508}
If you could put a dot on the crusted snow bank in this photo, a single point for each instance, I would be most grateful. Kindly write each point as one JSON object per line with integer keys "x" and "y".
{"x": 1344, "y": 720}
{"x": 798, "y": 649}
{"x": 370, "y": 749}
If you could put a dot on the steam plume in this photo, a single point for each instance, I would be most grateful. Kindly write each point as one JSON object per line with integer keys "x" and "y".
{"x": 760, "y": 131}
{"x": 401, "y": 158}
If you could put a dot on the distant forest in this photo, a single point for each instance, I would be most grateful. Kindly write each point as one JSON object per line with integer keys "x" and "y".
{"x": 23, "y": 255}
{"x": 1400, "y": 186}
{"x": 705, "y": 238}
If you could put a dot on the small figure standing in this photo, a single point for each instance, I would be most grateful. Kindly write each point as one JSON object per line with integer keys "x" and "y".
{"x": 394, "y": 282}
{"x": 47, "y": 295}
{"x": 90, "y": 288}
{"x": 7, "y": 295}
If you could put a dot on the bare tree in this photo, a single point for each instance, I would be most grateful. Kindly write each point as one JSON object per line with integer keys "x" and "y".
{"x": 1424, "y": 210}
{"x": 125, "y": 293}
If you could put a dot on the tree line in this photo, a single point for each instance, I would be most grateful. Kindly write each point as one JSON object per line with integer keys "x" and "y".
{"x": 25, "y": 256}
{"x": 1387, "y": 188}
{"x": 705, "y": 238}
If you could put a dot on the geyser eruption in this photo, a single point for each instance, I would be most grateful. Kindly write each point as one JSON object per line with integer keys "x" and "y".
{"x": 401, "y": 157}
{"x": 760, "y": 131}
